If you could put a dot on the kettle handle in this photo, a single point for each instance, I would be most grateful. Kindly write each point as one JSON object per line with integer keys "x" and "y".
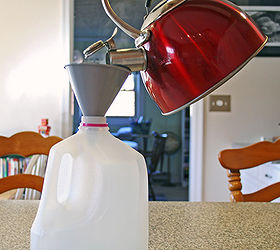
{"x": 128, "y": 29}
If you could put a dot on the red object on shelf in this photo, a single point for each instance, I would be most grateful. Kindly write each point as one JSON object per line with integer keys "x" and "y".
{"x": 44, "y": 128}
{"x": 44, "y": 122}
{"x": 195, "y": 48}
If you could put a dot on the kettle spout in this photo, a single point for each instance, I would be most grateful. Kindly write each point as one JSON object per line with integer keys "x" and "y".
{"x": 133, "y": 59}
{"x": 128, "y": 29}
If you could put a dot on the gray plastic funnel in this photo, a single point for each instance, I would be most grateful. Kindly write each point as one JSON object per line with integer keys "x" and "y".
{"x": 96, "y": 85}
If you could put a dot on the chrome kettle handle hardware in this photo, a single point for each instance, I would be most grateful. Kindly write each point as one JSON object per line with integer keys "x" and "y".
{"x": 128, "y": 29}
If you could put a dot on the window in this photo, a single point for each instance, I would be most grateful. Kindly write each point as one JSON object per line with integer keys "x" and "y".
{"x": 124, "y": 104}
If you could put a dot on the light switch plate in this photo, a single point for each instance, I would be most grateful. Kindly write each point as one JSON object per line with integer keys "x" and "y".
{"x": 220, "y": 103}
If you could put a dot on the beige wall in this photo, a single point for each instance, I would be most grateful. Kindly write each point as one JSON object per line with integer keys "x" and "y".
{"x": 32, "y": 78}
{"x": 255, "y": 112}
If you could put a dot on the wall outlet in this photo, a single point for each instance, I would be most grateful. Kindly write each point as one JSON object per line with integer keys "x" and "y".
{"x": 220, "y": 103}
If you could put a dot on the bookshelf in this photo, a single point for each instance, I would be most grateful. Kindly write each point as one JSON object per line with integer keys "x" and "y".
{"x": 12, "y": 165}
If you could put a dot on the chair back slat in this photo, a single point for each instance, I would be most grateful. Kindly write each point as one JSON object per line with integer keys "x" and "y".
{"x": 21, "y": 181}
{"x": 251, "y": 156}
{"x": 26, "y": 144}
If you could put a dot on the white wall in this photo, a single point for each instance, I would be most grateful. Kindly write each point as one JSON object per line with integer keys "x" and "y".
{"x": 32, "y": 78}
{"x": 255, "y": 112}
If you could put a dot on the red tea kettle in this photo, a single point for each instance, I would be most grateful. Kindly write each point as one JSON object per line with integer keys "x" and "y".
{"x": 186, "y": 48}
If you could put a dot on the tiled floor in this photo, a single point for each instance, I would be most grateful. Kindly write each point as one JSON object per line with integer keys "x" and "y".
{"x": 170, "y": 193}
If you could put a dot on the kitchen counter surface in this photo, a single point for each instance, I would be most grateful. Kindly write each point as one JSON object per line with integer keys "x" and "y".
{"x": 173, "y": 225}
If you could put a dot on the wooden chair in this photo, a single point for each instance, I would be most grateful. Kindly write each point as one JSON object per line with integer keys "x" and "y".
{"x": 21, "y": 181}
{"x": 24, "y": 144}
{"x": 248, "y": 157}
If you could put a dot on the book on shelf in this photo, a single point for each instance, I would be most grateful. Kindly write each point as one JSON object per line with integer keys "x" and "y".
{"x": 12, "y": 165}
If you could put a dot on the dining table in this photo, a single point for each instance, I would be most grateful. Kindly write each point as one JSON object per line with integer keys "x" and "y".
{"x": 172, "y": 225}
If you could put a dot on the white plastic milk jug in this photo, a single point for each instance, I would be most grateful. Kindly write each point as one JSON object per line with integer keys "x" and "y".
{"x": 95, "y": 194}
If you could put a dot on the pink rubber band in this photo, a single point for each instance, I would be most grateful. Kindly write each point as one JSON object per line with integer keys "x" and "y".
{"x": 94, "y": 125}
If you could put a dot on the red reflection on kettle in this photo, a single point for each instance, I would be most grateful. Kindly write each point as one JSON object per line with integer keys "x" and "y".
{"x": 194, "y": 49}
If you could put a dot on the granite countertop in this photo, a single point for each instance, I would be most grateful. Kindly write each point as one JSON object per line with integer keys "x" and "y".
{"x": 173, "y": 225}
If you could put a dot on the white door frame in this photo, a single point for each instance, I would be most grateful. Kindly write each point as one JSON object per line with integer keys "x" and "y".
{"x": 196, "y": 151}
{"x": 67, "y": 43}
